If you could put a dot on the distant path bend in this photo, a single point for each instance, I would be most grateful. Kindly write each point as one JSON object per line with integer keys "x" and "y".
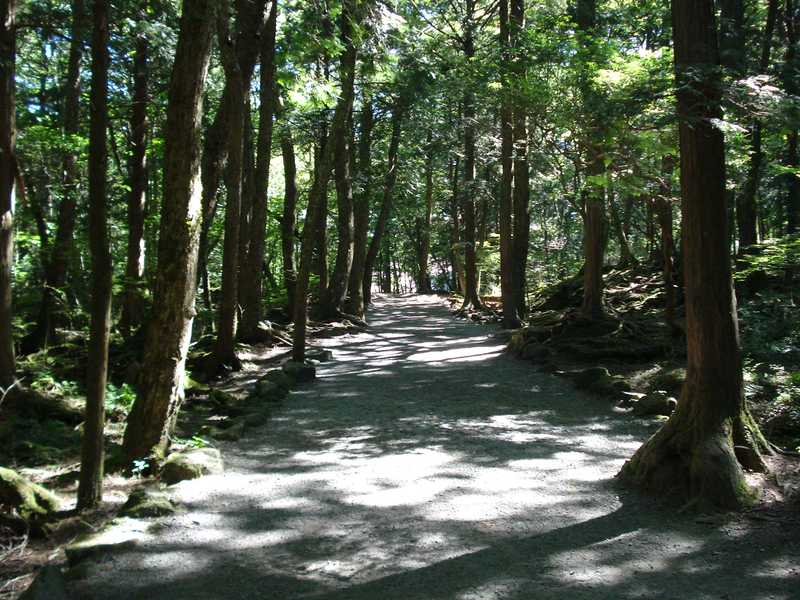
{"x": 425, "y": 463}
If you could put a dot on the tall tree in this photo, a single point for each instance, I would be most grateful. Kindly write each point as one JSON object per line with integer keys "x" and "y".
{"x": 593, "y": 209}
{"x": 522, "y": 218}
{"x": 387, "y": 201}
{"x": 791, "y": 83}
{"x": 747, "y": 208}
{"x": 361, "y": 206}
{"x": 53, "y": 294}
{"x": 423, "y": 269}
{"x": 8, "y": 178}
{"x": 319, "y": 186}
{"x": 251, "y": 288}
{"x": 471, "y": 298}
{"x": 288, "y": 218}
{"x": 700, "y": 451}
{"x": 90, "y": 485}
{"x": 511, "y": 317}
{"x": 133, "y": 296}
{"x": 169, "y": 329}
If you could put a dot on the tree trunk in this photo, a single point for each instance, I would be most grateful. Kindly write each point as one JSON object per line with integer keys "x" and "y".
{"x": 170, "y": 326}
{"x": 250, "y": 19}
{"x": 90, "y": 485}
{"x": 626, "y": 258}
{"x": 361, "y": 204}
{"x": 225, "y": 351}
{"x": 8, "y": 177}
{"x": 697, "y": 453}
{"x": 320, "y": 261}
{"x": 335, "y": 295}
{"x": 594, "y": 213}
{"x": 522, "y": 217}
{"x": 389, "y": 180}
{"x": 133, "y": 305}
{"x": 251, "y": 269}
{"x": 511, "y": 317}
{"x": 424, "y": 278}
{"x": 458, "y": 263}
{"x": 664, "y": 209}
{"x": 747, "y": 207}
{"x": 790, "y": 79}
{"x": 471, "y": 298}
{"x": 320, "y": 185}
{"x": 288, "y": 218}
{"x": 53, "y": 297}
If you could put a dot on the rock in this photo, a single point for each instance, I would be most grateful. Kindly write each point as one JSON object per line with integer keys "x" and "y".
{"x": 669, "y": 380}
{"x": 279, "y": 377}
{"x": 148, "y": 503}
{"x": 119, "y": 534}
{"x": 270, "y": 391}
{"x": 27, "y": 498}
{"x": 599, "y": 381}
{"x": 300, "y": 372}
{"x": 320, "y": 355}
{"x": 232, "y": 433}
{"x": 535, "y": 352}
{"x": 256, "y": 419}
{"x": 221, "y": 399}
{"x": 191, "y": 464}
{"x": 48, "y": 585}
{"x": 654, "y": 404}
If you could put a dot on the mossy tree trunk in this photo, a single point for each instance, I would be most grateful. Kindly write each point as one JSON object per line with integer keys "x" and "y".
{"x": 170, "y": 326}
{"x": 700, "y": 452}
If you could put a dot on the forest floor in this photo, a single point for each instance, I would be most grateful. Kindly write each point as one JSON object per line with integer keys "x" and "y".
{"x": 427, "y": 463}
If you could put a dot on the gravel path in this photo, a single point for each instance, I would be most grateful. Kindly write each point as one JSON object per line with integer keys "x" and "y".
{"x": 426, "y": 464}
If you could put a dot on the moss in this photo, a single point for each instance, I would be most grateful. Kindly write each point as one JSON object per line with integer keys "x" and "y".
{"x": 29, "y": 499}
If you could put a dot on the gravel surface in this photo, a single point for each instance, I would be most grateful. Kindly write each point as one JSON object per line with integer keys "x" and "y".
{"x": 426, "y": 464}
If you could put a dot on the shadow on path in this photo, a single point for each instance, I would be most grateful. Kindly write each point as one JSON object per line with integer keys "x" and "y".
{"x": 427, "y": 464}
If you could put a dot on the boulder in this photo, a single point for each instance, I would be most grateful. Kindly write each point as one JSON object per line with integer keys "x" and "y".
{"x": 300, "y": 372}
{"x": 49, "y": 584}
{"x": 535, "y": 352}
{"x": 191, "y": 464}
{"x": 319, "y": 354}
{"x": 278, "y": 377}
{"x": 270, "y": 391}
{"x": 232, "y": 433}
{"x": 29, "y": 499}
{"x": 599, "y": 381}
{"x": 119, "y": 535}
{"x": 148, "y": 503}
{"x": 655, "y": 404}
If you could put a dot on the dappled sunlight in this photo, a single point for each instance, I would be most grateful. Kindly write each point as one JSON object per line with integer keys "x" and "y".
{"x": 425, "y": 464}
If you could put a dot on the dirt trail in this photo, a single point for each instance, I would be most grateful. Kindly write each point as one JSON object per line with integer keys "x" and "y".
{"x": 426, "y": 464}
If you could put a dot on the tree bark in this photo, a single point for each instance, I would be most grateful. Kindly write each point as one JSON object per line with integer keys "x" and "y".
{"x": 594, "y": 212}
{"x": 664, "y": 209}
{"x": 53, "y": 296}
{"x": 361, "y": 205}
{"x": 8, "y": 177}
{"x": 250, "y": 19}
{"x": 90, "y": 484}
{"x": 424, "y": 277}
{"x": 389, "y": 180}
{"x": 288, "y": 218}
{"x": 169, "y": 330}
{"x": 320, "y": 185}
{"x": 471, "y": 298}
{"x": 522, "y": 217}
{"x": 747, "y": 207}
{"x": 252, "y": 291}
{"x": 790, "y": 80}
{"x": 700, "y": 451}
{"x": 133, "y": 305}
{"x": 511, "y": 317}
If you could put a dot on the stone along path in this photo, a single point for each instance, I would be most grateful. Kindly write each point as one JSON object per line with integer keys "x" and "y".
{"x": 425, "y": 463}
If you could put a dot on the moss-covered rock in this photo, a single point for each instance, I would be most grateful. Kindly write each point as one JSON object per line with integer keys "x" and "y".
{"x": 118, "y": 535}
{"x": 278, "y": 377}
{"x": 144, "y": 503}
{"x": 599, "y": 381}
{"x": 28, "y": 499}
{"x": 48, "y": 585}
{"x": 300, "y": 372}
{"x": 191, "y": 464}
{"x": 657, "y": 403}
{"x": 269, "y": 391}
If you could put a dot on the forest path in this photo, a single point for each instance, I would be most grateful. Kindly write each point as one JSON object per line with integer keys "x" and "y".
{"x": 427, "y": 464}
